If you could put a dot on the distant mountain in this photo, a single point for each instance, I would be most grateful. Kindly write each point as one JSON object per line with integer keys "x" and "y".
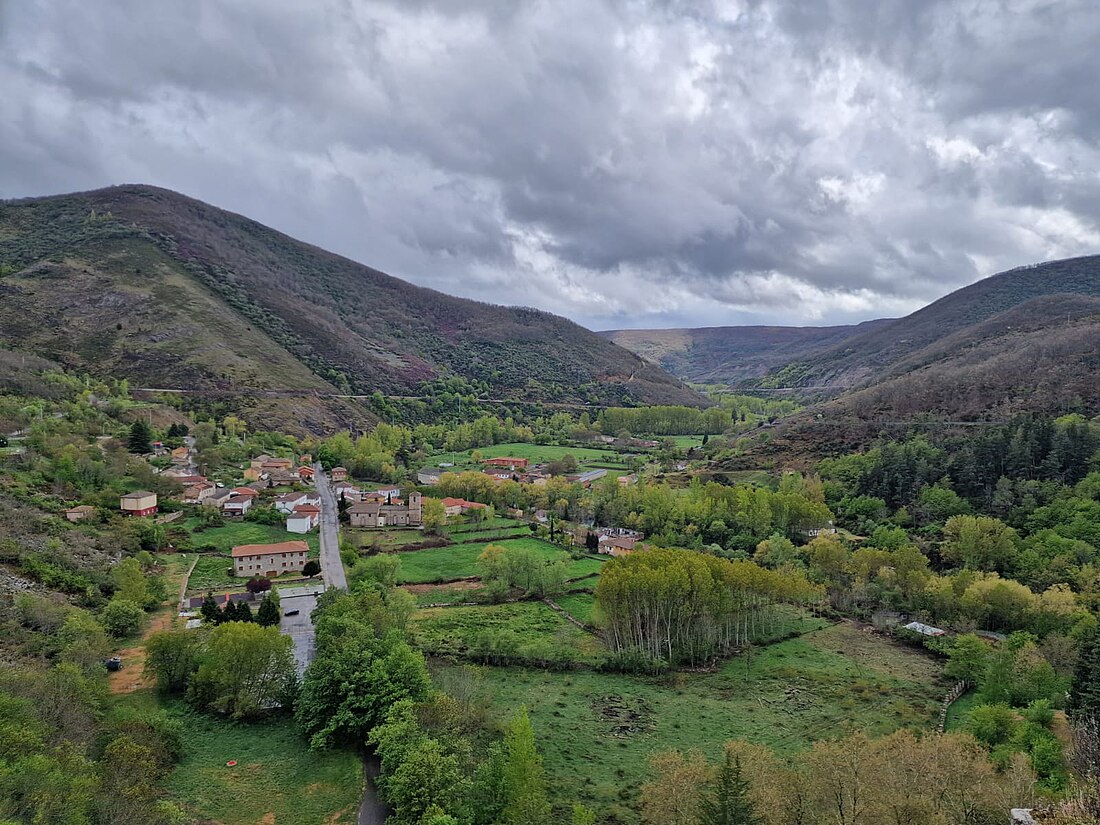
{"x": 171, "y": 292}
{"x": 732, "y": 355}
{"x": 892, "y": 349}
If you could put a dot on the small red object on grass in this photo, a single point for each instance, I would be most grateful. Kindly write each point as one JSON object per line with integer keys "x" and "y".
{"x": 232, "y": 763}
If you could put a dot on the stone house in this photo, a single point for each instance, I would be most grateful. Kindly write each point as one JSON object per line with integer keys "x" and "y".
{"x": 269, "y": 559}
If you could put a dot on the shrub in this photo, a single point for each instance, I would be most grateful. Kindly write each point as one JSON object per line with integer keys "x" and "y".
{"x": 122, "y": 617}
{"x": 992, "y": 725}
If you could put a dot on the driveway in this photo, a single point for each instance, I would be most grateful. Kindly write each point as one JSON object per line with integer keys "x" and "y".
{"x": 332, "y": 569}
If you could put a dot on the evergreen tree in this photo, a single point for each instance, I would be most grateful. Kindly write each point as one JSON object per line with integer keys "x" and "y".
{"x": 1084, "y": 695}
{"x": 244, "y": 612}
{"x": 211, "y": 614}
{"x": 268, "y": 614}
{"x": 141, "y": 438}
{"x": 524, "y": 783}
{"x": 725, "y": 800}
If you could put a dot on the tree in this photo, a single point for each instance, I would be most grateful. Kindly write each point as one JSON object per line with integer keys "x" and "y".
{"x": 725, "y": 799}
{"x": 992, "y": 725}
{"x": 130, "y": 582}
{"x": 140, "y": 439}
{"x": 122, "y": 617}
{"x": 358, "y": 673}
{"x": 967, "y": 659}
{"x": 258, "y": 584}
{"x": 244, "y": 612}
{"x": 433, "y": 516}
{"x": 245, "y": 671}
{"x": 672, "y": 797}
{"x": 268, "y": 614}
{"x": 171, "y": 656}
{"x": 209, "y": 610}
{"x": 980, "y": 543}
{"x": 1084, "y": 694}
{"x": 311, "y": 568}
{"x": 524, "y": 783}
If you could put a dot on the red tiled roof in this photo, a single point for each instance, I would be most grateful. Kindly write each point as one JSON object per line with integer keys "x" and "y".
{"x": 307, "y": 509}
{"x": 269, "y": 549}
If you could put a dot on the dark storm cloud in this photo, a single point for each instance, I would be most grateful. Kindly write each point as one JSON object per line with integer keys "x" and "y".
{"x": 622, "y": 162}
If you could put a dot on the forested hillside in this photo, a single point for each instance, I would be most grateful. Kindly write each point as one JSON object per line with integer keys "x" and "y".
{"x": 146, "y": 284}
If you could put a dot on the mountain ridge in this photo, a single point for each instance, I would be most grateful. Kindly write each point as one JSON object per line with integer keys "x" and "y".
{"x": 153, "y": 285}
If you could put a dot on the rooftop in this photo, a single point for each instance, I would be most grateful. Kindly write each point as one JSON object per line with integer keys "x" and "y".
{"x": 270, "y": 549}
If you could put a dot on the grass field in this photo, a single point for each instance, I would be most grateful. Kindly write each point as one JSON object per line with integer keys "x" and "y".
{"x": 489, "y": 535}
{"x": 442, "y": 564}
{"x": 587, "y": 457}
{"x": 685, "y": 441}
{"x": 231, "y": 534}
{"x": 597, "y": 731}
{"x": 497, "y": 522}
{"x": 277, "y": 778}
{"x": 450, "y": 630}
{"x": 577, "y": 605}
{"x": 959, "y": 712}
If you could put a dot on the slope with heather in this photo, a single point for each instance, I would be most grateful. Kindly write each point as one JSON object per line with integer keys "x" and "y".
{"x": 146, "y": 283}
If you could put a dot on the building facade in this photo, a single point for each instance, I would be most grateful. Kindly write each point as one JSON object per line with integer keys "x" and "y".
{"x": 269, "y": 559}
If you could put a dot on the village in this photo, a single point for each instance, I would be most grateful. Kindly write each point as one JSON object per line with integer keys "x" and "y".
{"x": 280, "y": 496}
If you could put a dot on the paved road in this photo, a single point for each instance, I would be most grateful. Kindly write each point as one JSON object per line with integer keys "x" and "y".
{"x": 332, "y": 569}
{"x": 300, "y": 627}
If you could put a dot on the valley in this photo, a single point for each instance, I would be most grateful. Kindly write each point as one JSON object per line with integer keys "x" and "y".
{"x": 612, "y": 599}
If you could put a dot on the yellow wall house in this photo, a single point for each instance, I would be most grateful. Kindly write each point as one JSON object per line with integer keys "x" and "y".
{"x": 138, "y": 503}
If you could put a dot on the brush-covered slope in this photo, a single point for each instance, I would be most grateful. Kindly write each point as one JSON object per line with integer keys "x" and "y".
{"x": 731, "y": 355}
{"x": 172, "y": 292}
{"x": 891, "y": 349}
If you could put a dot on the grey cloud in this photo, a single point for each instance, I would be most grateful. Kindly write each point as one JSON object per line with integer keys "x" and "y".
{"x": 624, "y": 163}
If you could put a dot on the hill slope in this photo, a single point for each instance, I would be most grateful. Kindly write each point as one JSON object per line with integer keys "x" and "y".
{"x": 891, "y": 349}
{"x": 731, "y": 354}
{"x": 169, "y": 291}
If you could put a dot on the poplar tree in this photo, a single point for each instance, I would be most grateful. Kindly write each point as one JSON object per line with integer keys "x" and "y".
{"x": 524, "y": 782}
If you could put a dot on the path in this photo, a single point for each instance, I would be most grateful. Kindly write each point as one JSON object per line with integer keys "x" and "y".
{"x": 332, "y": 569}
{"x": 372, "y": 810}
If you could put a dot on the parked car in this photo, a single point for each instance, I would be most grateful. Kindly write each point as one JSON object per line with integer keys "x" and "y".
{"x": 291, "y": 613}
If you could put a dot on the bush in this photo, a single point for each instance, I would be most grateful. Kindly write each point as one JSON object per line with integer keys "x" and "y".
{"x": 992, "y": 725}
{"x": 633, "y": 661}
{"x": 1039, "y": 713}
{"x": 122, "y": 617}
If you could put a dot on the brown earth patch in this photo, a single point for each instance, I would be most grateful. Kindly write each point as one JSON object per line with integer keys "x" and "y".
{"x": 132, "y": 677}
{"x": 462, "y": 584}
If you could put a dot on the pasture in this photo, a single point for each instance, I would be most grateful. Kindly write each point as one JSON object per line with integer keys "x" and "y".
{"x": 597, "y": 731}
{"x": 587, "y": 457}
{"x": 325, "y": 785}
{"x": 457, "y": 561}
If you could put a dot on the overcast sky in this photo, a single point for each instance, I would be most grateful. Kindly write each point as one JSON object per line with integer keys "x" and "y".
{"x": 622, "y": 163}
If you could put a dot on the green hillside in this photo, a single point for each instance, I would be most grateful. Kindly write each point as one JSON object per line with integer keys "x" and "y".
{"x": 170, "y": 292}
